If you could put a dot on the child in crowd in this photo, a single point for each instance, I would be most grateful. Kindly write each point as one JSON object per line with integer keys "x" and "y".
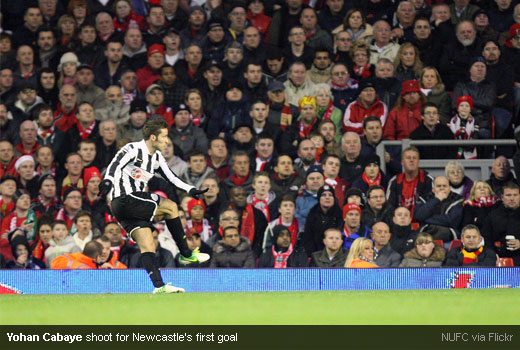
{"x": 196, "y": 211}
{"x": 61, "y": 242}
{"x": 464, "y": 126}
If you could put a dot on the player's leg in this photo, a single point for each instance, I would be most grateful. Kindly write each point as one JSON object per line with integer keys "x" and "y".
{"x": 144, "y": 238}
{"x": 168, "y": 211}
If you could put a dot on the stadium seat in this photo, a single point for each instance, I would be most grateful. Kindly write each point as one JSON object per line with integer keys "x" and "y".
{"x": 439, "y": 242}
{"x": 505, "y": 262}
{"x": 497, "y": 244}
{"x": 456, "y": 243}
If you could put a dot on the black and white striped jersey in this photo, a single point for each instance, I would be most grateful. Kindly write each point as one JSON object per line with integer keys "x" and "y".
{"x": 133, "y": 166}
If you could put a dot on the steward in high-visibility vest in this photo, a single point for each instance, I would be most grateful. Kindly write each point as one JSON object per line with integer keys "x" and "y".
{"x": 88, "y": 259}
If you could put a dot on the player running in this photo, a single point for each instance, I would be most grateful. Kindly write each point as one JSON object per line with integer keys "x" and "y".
{"x": 126, "y": 181}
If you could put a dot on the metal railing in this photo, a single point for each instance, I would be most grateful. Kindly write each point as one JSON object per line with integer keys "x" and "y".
{"x": 481, "y": 166}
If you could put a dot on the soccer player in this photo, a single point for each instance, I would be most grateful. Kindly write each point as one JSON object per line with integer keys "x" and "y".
{"x": 125, "y": 182}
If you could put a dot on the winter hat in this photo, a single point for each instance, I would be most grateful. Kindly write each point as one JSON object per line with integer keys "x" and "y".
{"x": 69, "y": 57}
{"x": 513, "y": 31}
{"x": 155, "y": 48}
{"x": 193, "y": 203}
{"x": 366, "y": 83}
{"x": 353, "y": 192}
{"x": 477, "y": 59}
{"x": 69, "y": 191}
{"x": 153, "y": 87}
{"x": 323, "y": 189}
{"x": 277, "y": 231}
{"x": 20, "y": 192}
{"x": 43, "y": 178}
{"x": 314, "y": 169}
{"x": 351, "y": 206}
{"x": 89, "y": 173}
{"x": 232, "y": 84}
{"x": 465, "y": 98}
{"x": 181, "y": 107}
{"x": 8, "y": 177}
{"x": 410, "y": 86}
{"x": 138, "y": 106}
{"x": 23, "y": 159}
{"x": 275, "y": 85}
{"x": 370, "y": 159}
{"x": 215, "y": 22}
{"x": 307, "y": 100}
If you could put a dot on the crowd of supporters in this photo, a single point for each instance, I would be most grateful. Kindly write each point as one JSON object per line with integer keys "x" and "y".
{"x": 277, "y": 108}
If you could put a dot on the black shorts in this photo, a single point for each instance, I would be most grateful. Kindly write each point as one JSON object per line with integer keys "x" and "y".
{"x": 136, "y": 210}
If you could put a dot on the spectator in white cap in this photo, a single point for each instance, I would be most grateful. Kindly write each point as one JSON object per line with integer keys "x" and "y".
{"x": 68, "y": 67}
{"x": 26, "y": 175}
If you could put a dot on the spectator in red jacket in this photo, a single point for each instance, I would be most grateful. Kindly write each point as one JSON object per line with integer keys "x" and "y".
{"x": 366, "y": 105}
{"x": 406, "y": 115}
{"x": 126, "y": 17}
{"x": 147, "y": 75}
{"x": 155, "y": 98}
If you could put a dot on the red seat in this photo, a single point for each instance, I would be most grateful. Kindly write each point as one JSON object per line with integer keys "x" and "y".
{"x": 505, "y": 262}
{"x": 498, "y": 244}
{"x": 439, "y": 242}
{"x": 456, "y": 243}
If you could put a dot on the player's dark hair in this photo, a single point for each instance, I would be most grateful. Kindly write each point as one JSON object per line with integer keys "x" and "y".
{"x": 154, "y": 127}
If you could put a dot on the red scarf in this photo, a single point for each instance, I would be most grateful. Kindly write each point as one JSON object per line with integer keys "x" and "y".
{"x": 375, "y": 182}
{"x": 280, "y": 259}
{"x": 305, "y": 130}
{"x": 363, "y": 72}
{"x": 248, "y": 223}
{"x": 65, "y": 217}
{"x": 293, "y": 229}
{"x": 40, "y": 200}
{"x": 196, "y": 119}
{"x": 53, "y": 170}
{"x": 471, "y": 257}
{"x": 239, "y": 181}
{"x": 285, "y": 116}
{"x": 260, "y": 164}
{"x": 328, "y": 112}
{"x": 39, "y": 250}
{"x": 20, "y": 149}
{"x": 261, "y": 204}
{"x": 482, "y": 202}
{"x": 45, "y": 133}
{"x": 319, "y": 151}
{"x": 85, "y": 133}
{"x": 6, "y": 208}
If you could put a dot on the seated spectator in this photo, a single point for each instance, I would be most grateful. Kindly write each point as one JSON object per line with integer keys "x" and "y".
{"x": 90, "y": 258}
{"x": 193, "y": 240}
{"x": 382, "y": 46}
{"x": 114, "y": 108}
{"x": 326, "y": 110}
{"x": 280, "y": 111}
{"x": 309, "y": 197}
{"x": 342, "y": 44}
{"x": 46, "y": 133}
{"x": 121, "y": 249}
{"x": 43, "y": 237}
{"x": 372, "y": 174}
{"x": 86, "y": 90}
{"x": 320, "y": 71}
{"x": 7, "y": 160}
{"x": 407, "y": 63}
{"x": 213, "y": 199}
{"x": 352, "y": 162}
{"x": 325, "y": 214}
{"x": 28, "y": 144}
{"x": 425, "y": 254}
{"x": 472, "y": 252}
{"x": 195, "y": 103}
{"x": 163, "y": 257}
{"x": 174, "y": 90}
{"x": 87, "y": 150}
{"x": 106, "y": 144}
{"x": 333, "y": 255}
{"x": 265, "y": 147}
{"x": 331, "y": 166}
{"x": 344, "y": 88}
{"x": 328, "y": 131}
{"x": 481, "y": 201}
{"x": 300, "y": 130}
{"x": 252, "y": 221}
{"x": 22, "y": 257}
{"x": 298, "y": 84}
{"x": 26, "y": 102}
{"x": 155, "y": 104}
{"x": 72, "y": 204}
{"x": 233, "y": 250}
{"x": 428, "y": 44}
{"x": 286, "y": 209}
{"x": 367, "y": 104}
{"x": 262, "y": 198}
{"x": 511, "y": 54}
{"x": 86, "y": 127}
{"x": 377, "y": 208}
{"x": 138, "y": 117}
{"x": 465, "y": 127}
{"x": 440, "y": 212}
{"x": 198, "y": 169}
{"x": 83, "y": 228}
{"x": 405, "y": 117}
{"x": 218, "y": 159}
{"x": 108, "y": 258}
{"x": 16, "y": 222}
{"x": 405, "y": 189}
{"x": 361, "y": 254}
{"x": 61, "y": 242}
{"x": 307, "y": 154}
{"x": 388, "y": 88}
{"x": 403, "y": 236}
{"x": 435, "y": 92}
{"x": 459, "y": 183}
{"x": 241, "y": 174}
{"x": 242, "y": 140}
{"x": 384, "y": 254}
{"x": 500, "y": 175}
{"x": 8, "y": 186}
{"x": 73, "y": 177}
{"x": 353, "y": 227}
{"x": 185, "y": 135}
{"x": 65, "y": 114}
{"x": 431, "y": 129}
{"x": 282, "y": 253}
{"x": 285, "y": 178}
{"x": 196, "y": 211}
{"x": 502, "y": 224}
{"x": 354, "y": 195}
{"x": 298, "y": 51}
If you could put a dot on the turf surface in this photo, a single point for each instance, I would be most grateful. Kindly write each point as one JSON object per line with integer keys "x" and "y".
{"x": 428, "y": 307}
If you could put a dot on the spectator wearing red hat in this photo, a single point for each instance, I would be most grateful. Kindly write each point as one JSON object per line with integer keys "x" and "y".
{"x": 464, "y": 126}
{"x": 432, "y": 129}
{"x": 405, "y": 117}
{"x": 325, "y": 214}
{"x": 196, "y": 211}
{"x": 92, "y": 201}
{"x": 353, "y": 228}
{"x": 151, "y": 72}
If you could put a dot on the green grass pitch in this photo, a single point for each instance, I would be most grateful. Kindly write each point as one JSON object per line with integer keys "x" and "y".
{"x": 423, "y": 307}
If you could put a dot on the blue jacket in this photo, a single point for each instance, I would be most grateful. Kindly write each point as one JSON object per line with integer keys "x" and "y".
{"x": 304, "y": 205}
{"x": 363, "y": 231}
{"x": 227, "y": 116}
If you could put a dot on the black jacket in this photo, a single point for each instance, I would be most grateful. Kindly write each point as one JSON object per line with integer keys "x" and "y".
{"x": 484, "y": 96}
{"x": 441, "y": 132}
{"x": 498, "y": 224}
{"x": 298, "y": 258}
{"x": 486, "y": 258}
{"x": 321, "y": 259}
{"x": 394, "y": 191}
{"x": 369, "y": 218}
{"x": 316, "y": 224}
{"x": 403, "y": 238}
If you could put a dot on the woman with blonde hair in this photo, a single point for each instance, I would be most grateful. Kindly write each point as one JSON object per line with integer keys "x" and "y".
{"x": 482, "y": 200}
{"x": 407, "y": 64}
{"x": 459, "y": 183}
{"x": 194, "y": 101}
{"x": 356, "y": 25}
{"x": 360, "y": 54}
{"x": 325, "y": 107}
{"x": 79, "y": 10}
{"x": 435, "y": 91}
{"x": 67, "y": 32}
{"x": 361, "y": 254}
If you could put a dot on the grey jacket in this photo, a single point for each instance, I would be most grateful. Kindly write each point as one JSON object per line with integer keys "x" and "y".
{"x": 387, "y": 257}
{"x": 226, "y": 256}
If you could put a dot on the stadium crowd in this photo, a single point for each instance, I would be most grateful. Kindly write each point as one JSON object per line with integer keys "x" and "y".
{"x": 277, "y": 108}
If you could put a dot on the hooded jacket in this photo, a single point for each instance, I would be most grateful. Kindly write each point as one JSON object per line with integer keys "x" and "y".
{"x": 67, "y": 245}
{"x": 240, "y": 256}
{"x": 413, "y": 259}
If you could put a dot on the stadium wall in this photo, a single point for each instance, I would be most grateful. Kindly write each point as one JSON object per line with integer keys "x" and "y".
{"x": 260, "y": 280}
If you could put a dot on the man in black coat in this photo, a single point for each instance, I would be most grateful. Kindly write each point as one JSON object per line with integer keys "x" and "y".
{"x": 502, "y": 224}
{"x": 471, "y": 253}
{"x": 283, "y": 254}
{"x": 431, "y": 129}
